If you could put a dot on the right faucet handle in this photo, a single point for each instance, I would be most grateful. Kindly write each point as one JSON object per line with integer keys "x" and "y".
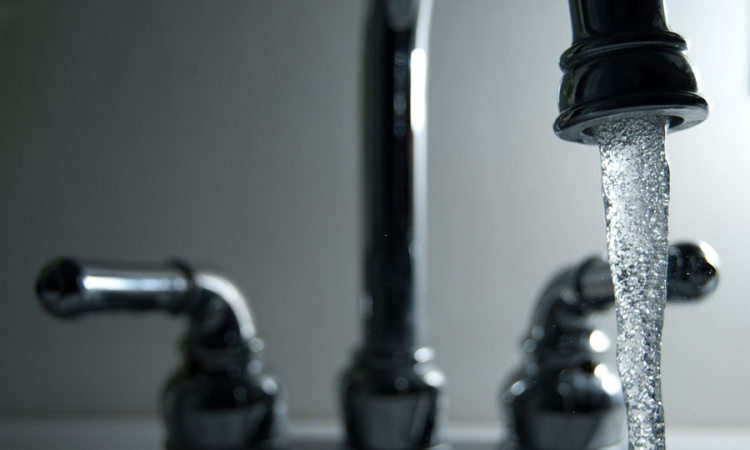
{"x": 692, "y": 273}
{"x": 563, "y": 396}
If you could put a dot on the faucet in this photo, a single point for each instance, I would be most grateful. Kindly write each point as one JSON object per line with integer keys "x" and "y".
{"x": 625, "y": 70}
{"x": 221, "y": 397}
{"x": 392, "y": 394}
{"x": 563, "y": 396}
{"x": 624, "y": 62}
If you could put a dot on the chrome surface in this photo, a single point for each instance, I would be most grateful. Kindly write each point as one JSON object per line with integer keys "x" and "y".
{"x": 391, "y": 394}
{"x": 395, "y": 172}
{"x": 624, "y": 61}
{"x": 220, "y": 398}
{"x": 68, "y": 287}
{"x": 563, "y": 396}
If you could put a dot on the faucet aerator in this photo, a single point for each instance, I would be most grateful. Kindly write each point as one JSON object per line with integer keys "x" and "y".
{"x": 625, "y": 62}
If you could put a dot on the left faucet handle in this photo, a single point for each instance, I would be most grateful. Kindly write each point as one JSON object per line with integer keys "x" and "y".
{"x": 69, "y": 287}
{"x": 221, "y": 397}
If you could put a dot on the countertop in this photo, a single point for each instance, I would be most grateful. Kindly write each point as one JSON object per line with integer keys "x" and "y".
{"x": 128, "y": 433}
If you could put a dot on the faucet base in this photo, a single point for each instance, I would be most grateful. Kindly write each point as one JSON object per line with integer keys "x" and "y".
{"x": 393, "y": 403}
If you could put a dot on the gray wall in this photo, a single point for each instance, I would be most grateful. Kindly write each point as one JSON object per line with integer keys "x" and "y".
{"x": 227, "y": 133}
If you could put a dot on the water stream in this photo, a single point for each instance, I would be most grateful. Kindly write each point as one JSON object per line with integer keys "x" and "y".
{"x": 635, "y": 185}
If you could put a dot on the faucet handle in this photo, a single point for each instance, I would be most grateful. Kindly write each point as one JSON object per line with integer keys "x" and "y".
{"x": 221, "y": 397}
{"x": 563, "y": 376}
{"x": 692, "y": 273}
{"x": 70, "y": 287}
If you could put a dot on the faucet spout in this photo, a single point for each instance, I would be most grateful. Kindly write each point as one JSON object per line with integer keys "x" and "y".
{"x": 624, "y": 62}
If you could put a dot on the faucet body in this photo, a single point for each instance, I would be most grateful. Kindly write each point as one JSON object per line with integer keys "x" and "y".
{"x": 220, "y": 398}
{"x": 563, "y": 396}
{"x": 391, "y": 394}
{"x": 624, "y": 62}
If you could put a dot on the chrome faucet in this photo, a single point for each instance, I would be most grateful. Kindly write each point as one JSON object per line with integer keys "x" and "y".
{"x": 563, "y": 396}
{"x": 221, "y": 397}
{"x": 624, "y": 62}
{"x": 392, "y": 394}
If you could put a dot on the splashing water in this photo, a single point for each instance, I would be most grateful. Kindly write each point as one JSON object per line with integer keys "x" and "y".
{"x": 635, "y": 184}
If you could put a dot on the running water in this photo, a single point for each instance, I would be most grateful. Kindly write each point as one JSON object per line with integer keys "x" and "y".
{"x": 635, "y": 184}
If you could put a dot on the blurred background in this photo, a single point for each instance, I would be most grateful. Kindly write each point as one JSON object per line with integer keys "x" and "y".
{"x": 228, "y": 134}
